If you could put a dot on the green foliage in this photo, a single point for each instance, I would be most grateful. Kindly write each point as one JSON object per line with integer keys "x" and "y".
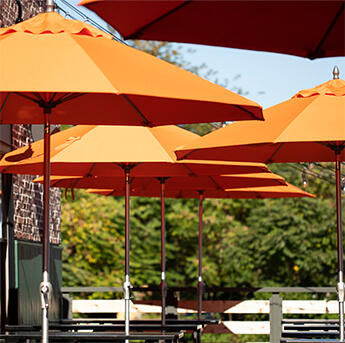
{"x": 92, "y": 241}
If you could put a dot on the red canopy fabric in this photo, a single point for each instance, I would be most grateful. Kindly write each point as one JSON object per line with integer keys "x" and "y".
{"x": 309, "y": 29}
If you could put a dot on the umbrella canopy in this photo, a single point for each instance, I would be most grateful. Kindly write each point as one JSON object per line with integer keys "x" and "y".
{"x": 309, "y": 127}
{"x": 101, "y": 81}
{"x": 264, "y": 192}
{"x": 176, "y": 185}
{"x": 303, "y": 28}
{"x": 305, "y": 128}
{"x": 86, "y": 150}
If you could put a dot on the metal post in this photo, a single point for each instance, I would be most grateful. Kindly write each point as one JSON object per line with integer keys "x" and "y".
{"x": 276, "y": 317}
{"x": 45, "y": 286}
{"x": 163, "y": 284}
{"x": 6, "y": 251}
{"x": 340, "y": 285}
{"x": 127, "y": 287}
{"x": 201, "y": 284}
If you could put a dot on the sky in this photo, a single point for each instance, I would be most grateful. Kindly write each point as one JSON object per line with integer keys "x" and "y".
{"x": 267, "y": 78}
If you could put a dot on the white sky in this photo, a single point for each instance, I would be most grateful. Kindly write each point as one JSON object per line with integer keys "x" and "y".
{"x": 278, "y": 76}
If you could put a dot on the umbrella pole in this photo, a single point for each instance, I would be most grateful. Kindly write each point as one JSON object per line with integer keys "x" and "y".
{"x": 45, "y": 285}
{"x": 201, "y": 284}
{"x": 163, "y": 284}
{"x": 340, "y": 285}
{"x": 127, "y": 287}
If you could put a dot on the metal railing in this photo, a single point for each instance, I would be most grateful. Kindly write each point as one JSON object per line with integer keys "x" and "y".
{"x": 274, "y": 307}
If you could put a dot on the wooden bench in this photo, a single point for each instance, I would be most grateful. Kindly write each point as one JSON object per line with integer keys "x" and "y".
{"x": 187, "y": 325}
{"x": 310, "y": 330}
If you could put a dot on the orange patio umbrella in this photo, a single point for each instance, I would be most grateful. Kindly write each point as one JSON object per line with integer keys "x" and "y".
{"x": 100, "y": 150}
{"x": 86, "y": 150}
{"x": 305, "y": 28}
{"x": 309, "y": 127}
{"x": 176, "y": 182}
{"x": 56, "y": 70}
{"x": 260, "y": 192}
{"x": 178, "y": 190}
{"x": 190, "y": 186}
{"x": 81, "y": 75}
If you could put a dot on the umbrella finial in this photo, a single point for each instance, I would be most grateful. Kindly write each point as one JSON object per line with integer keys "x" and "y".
{"x": 335, "y": 72}
{"x": 50, "y": 6}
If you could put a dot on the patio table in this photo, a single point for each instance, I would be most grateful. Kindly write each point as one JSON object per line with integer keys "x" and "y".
{"x": 182, "y": 323}
{"x": 108, "y": 327}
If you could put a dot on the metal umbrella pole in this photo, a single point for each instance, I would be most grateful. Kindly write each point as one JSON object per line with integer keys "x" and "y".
{"x": 201, "y": 284}
{"x": 340, "y": 285}
{"x": 45, "y": 285}
{"x": 127, "y": 286}
{"x": 163, "y": 284}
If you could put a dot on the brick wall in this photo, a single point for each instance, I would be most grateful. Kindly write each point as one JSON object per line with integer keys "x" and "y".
{"x": 28, "y": 199}
{"x": 28, "y": 196}
{"x": 9, "y": 10}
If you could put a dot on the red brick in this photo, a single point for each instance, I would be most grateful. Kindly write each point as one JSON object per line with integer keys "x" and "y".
{"x": 27, "y": 196}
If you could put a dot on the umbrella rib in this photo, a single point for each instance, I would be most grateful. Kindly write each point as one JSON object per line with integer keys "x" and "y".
{"x": 189, "y": 153}
{"x": 147, "y": 185}
{"x": 74, "y": 183}
{"x": 275, "y": 152}
{"x": 38, "y": 96}
{"x": 4, "y": 103}
{"x": 247, "y": 111}
{"x": 67, "y": 97}
{"x": 333, "y": 146}
{"x": 130, "y": 165}
{"x": 214, "y": 181}
{"x": 43, "y": 103}
{"x": 89, "y": 173}
{"x": 137, "y": 33}
{"x": 191, "y": 172}
{"x": 27, "y": 97}
{"x": 317, "y": 53}
{"x": 145, "y": 121}
{"x": 258, "y": 195}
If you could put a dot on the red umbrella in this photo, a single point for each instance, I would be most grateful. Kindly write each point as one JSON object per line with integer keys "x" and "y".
{"x": 304, "y": 28}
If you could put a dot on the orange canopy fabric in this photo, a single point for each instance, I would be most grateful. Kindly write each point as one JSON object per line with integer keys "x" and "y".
{"x": 303, "y": 129}
{"x": 284, "y": 191}
{"x": 304, "y": 28}
{"x": 173, "y": 184}
{"x": 85, "y": 77}
{"x": 86, "y": 150}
